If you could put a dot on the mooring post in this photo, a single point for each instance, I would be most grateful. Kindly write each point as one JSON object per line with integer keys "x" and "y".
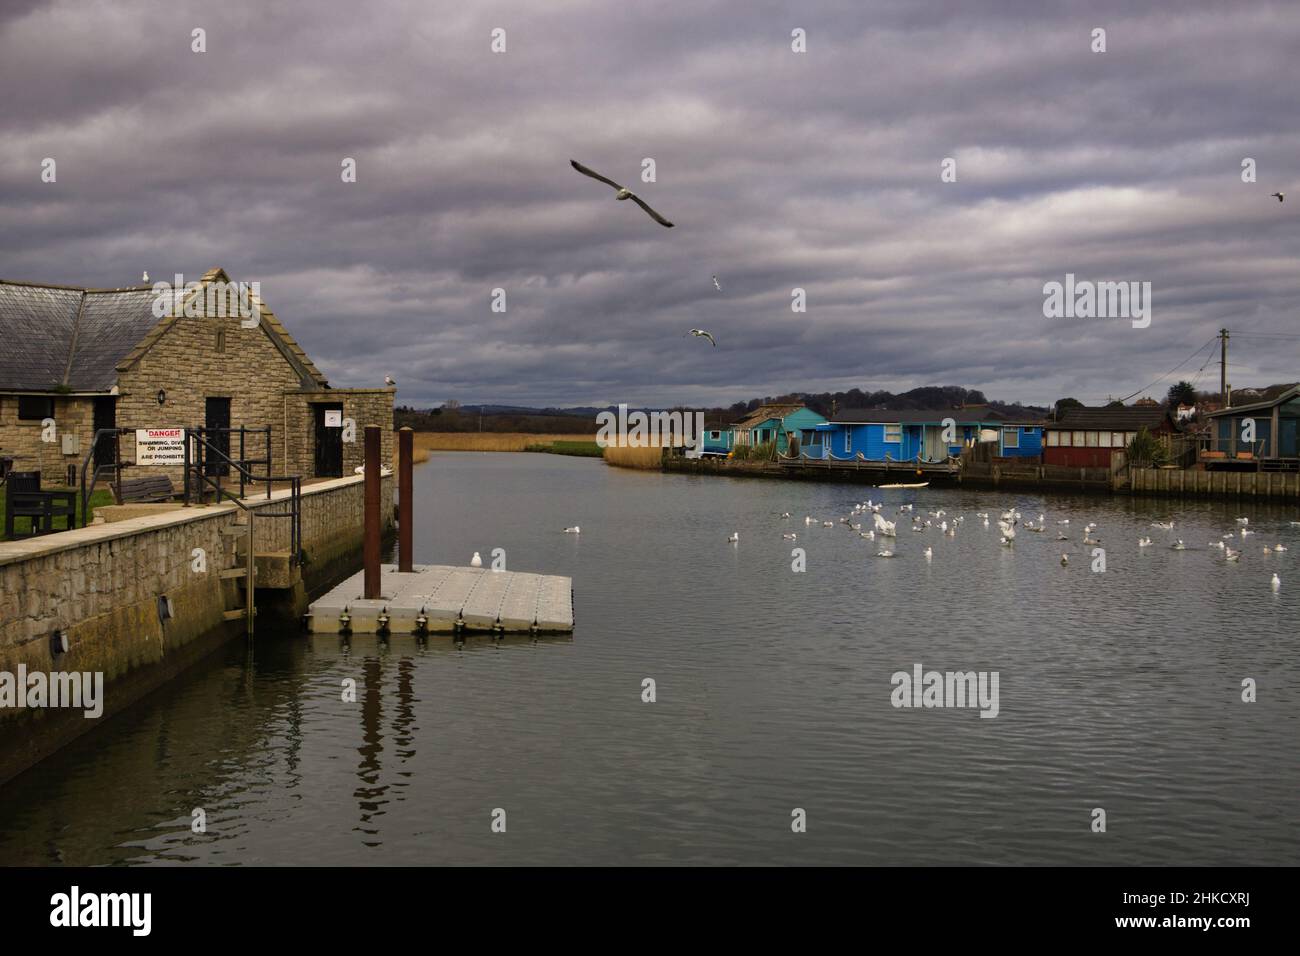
{"x": 370, "y": 548}
{"x": 404, "y": 445}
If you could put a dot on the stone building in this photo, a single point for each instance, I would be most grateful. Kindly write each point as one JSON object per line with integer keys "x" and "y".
{"x": 74, "y": 360}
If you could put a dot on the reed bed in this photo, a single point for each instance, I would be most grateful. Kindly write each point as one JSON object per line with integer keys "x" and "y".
{"x": 648, "y": 457}
{"x": 487, "y": 441}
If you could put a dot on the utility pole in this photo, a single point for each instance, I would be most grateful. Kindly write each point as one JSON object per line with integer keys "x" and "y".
{"x": 1223, "y": 367}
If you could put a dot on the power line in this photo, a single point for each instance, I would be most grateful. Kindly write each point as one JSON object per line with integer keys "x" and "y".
{"x": 1210, "y": 344}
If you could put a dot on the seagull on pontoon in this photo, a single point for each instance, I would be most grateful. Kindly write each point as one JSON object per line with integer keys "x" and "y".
{"x": 622, "y": 193}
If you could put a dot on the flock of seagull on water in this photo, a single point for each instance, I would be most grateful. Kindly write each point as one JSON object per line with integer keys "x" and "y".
{"x": 1007, "y": 522}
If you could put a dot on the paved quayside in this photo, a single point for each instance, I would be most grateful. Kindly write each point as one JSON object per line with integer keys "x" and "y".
{"x": 442, "y": 598}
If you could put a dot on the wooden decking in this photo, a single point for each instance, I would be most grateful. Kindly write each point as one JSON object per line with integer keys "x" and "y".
{"x": 441, "y": 598}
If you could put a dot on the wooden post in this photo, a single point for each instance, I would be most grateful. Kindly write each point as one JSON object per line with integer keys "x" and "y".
{"x": 249, "y": 571}
{"x": 370, "y": 547}
{"x": 405, "y": 444}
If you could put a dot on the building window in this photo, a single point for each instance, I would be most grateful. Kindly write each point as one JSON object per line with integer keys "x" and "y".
{"x": 848, "y": 439}
{"x": 221, "y": 340}
{"x": 34, "y": 408}
{"x": 1053, "y": 439}
{"x": 716, "y": 436}
{"x": 894, "y": 433}
{"x": 1079, "y": 440}
{"x": 1091, "y": 439}
{"x": 1011, "y": 438}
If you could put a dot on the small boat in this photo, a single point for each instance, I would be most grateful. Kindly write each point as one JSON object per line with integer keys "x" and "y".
{"x": 919, "y": 484}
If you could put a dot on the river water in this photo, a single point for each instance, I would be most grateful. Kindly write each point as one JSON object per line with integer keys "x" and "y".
{"x": 1119, "y": 690}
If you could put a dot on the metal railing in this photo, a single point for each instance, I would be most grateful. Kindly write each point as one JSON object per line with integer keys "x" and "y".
{"x": 208, "y": 454}
{"x": 114, "y": 466}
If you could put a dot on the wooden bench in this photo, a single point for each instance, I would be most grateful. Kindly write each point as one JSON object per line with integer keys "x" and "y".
{"x": 152, "y": 488}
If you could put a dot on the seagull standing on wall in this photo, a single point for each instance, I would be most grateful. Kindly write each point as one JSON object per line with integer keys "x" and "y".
{"x": 622, "y": 193}
{"x": 388, "y": 380}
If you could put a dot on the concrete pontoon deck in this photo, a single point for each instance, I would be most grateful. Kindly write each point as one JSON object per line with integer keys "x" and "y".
{"x": 441, "y": 598}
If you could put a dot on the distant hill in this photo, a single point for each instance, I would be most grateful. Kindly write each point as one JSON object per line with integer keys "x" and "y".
{"x": 452, "y": 417}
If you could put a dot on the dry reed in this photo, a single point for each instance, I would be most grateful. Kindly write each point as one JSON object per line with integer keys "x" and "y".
{"x": 485, "y": 441}
{"x": 646, "y": 456}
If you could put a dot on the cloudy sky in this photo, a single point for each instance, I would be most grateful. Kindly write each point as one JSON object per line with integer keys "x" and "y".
{"x": 782, "y": 170}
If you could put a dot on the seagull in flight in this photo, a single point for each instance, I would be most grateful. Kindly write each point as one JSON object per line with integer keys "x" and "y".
{"x": 716, "y": 285}
{"x": 702, "y": 334}
{"x": 622, "y": 192}
{"x": 1277, "y": 196}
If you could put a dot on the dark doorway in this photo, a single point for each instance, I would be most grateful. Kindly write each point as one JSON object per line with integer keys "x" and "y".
{"x": 105, "y": 417}
{"x": 216, "y": 419}
{"x": 329, "y": 441}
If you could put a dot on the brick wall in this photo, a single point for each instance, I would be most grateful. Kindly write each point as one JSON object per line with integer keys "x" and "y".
{"x": 22, "y": 439}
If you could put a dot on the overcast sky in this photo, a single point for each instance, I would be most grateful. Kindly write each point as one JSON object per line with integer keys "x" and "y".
{"x": 816, "y": 170}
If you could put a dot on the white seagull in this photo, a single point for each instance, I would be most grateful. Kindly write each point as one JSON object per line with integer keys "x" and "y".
{"x": 476, "y": 561}
{"x": 574, "y": 530}
{"x": 886, "y": 528}
{"x": 145, "y": 276}
{"x": 622, "y": 192}
{"x": 388, "y": 380}
{"x": 1277, "y": 196}
{"x": 702, "y": 334}
{"x": 1277, "y": 582}
{"x": 735, "y": 537}
{"x": 716, "y": 285}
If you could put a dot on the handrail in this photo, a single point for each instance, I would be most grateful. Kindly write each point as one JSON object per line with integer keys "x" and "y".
{"x": 94, "y": 479}
{"x": 199, "y": 468}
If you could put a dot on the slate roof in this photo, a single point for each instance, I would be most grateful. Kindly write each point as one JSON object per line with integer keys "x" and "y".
{"x": 1128, "y": 418}
{"x": 58, "y": 337}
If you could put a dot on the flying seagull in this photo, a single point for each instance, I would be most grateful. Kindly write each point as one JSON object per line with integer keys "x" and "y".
{"x": 716, "y": 285}
{"x": 1277, "y": 196}
{"x": 702, "y": 334}
{"x": 623, "y": 192}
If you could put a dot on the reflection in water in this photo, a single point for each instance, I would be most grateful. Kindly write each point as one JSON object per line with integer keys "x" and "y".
{"x": 1118, "y": 690}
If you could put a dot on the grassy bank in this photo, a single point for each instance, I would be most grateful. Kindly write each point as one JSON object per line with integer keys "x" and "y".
{"x": 582, "y": 449}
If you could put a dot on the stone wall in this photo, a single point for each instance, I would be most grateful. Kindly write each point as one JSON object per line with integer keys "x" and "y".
{"x": 101, "y": 585}
{"x": 22, "y": 439}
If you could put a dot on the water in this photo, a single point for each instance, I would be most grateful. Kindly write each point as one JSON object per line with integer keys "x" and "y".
{"x": 1118, "y": 690}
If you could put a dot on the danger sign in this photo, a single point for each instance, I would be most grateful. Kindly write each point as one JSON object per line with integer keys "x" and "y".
{"x": 160, "y": 446}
